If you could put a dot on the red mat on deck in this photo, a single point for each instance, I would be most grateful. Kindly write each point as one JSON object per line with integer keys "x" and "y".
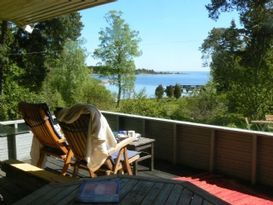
{"x": 229, "y": 190}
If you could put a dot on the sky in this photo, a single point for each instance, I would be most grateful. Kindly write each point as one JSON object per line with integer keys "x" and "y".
{"x": 171, "y": 32}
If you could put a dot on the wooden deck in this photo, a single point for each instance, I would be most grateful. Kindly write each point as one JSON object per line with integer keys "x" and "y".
{"x": 132, "y": 190}
{"x": 12, "y": 190}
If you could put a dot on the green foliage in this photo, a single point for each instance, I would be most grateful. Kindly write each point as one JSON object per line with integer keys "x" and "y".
{"x": 177, "y": 91}
{"x": 206, "y": 106}
{"x": 23, "y": 58}
{"x": 241, "y": 58}
{"x": 31, "y": 51}
{"x": 203, "y": 107}
{"x": 69, "y": 81}
{"x": 13, "y": 94}
{"x": 117, "y": 49}
{"x": 148, "y": 107}
{"x": 95, "y": 93}
{"x": 169, "y": 91}
{"x": 159, "y": 92}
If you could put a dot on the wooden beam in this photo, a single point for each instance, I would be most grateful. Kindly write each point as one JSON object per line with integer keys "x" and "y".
{"x": 24, "y": 12}
{"x": 30, "y": 175}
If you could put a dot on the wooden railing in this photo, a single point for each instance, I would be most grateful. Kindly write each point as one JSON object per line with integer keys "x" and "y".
{"x": 15, "y": 140}
{"x": 239, "y": 153}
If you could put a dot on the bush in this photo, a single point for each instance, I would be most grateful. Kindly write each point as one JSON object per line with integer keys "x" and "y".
{"x": 159, "y": 92}
{"x": 10, "y": 99}
{"x": 177, "y": 91}
{"x": 169, "y": 91}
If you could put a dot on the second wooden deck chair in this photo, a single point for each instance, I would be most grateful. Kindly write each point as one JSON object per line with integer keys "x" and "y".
{"x": 76, "y": 134}
{"x": 39, "y": 119}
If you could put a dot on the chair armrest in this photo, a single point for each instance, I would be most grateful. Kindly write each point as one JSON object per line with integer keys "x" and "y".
{"x": 122, "y": 144}
{"x": 62, "y": 140}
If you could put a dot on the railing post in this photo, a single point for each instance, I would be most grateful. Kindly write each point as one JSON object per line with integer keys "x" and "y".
{"x": 174, "y": 143}
{"x": 12, "y": 146}
{"x": 118, "y": 128}
{"x": 254, "y": 159}
{"x": 143, "y": 134}
{"x": 212, "y": 151}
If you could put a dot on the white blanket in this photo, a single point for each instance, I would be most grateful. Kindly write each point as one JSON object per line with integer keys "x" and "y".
{"x": 100, "y": 137}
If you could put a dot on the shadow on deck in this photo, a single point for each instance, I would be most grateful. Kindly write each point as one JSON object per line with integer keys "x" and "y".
{"x": 229, "y": 190}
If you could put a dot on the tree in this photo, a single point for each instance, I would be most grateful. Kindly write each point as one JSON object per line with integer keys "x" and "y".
{"x": 177, "y": 91}
{"x": 69, "y": 80}
{"x": 23, "y": 58}
{"x": 169, "y": 91}
{"x": 118, "y": 46}
{"x": 159, "y": 92}
{"x": 30, "y": 51}
{"x": 241, "y": 58}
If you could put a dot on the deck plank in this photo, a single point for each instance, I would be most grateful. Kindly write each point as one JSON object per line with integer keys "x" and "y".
{"x": 127, "y": 189}
{"x": 185, "y": 197}
{"x": 39, "y": 193}
{"x": 175, "y": 194}
{"x": 163, "y": 195}
{"x": 159, "y": 196}
{"x": 10, "y": 192}
{"x": 150, "y": 198}
{"x": 197, "y": 200}
{"x": 138, "y": 192}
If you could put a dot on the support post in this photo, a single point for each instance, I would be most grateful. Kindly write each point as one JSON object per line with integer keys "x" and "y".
{"x": 212, "y": 151}
{"x": 254, "y": 159}
{"x": 174, "y": 143}
{"x": 143, "y": 134}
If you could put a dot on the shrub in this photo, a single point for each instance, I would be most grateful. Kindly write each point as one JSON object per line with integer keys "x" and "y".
{"x": 159, "y": 92}
{"x": 169, "y": 91}
{"x": 177, "y": 91}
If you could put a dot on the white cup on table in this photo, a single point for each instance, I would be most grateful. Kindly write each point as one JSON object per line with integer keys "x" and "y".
{"x": 131, "y": 133}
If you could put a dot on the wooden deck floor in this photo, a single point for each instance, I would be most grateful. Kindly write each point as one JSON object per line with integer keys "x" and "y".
{"x": 230, "y": 190}
{"x": 12, "y": 191}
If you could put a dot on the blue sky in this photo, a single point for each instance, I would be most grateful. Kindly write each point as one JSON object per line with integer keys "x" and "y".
{"x": 171, "y": 31}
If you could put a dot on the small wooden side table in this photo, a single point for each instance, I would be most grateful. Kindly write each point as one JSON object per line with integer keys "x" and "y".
{"x": 146, "y": 147}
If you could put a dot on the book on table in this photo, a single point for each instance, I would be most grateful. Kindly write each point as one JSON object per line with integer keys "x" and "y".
{"x": 98, "y": 191}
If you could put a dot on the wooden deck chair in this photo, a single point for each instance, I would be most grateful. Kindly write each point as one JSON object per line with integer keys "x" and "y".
{"x": 39, "y": 119}
{"x": 76, "y": 134}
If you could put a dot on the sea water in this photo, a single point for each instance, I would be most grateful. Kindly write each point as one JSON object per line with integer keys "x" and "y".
{"x": 149, "y": 82}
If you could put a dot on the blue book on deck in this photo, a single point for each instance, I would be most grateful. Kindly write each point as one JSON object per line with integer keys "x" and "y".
{"x": 98, "y": 191}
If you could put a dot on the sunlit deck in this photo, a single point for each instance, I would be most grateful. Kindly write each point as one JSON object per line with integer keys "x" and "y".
{"x": 229, "y": 190}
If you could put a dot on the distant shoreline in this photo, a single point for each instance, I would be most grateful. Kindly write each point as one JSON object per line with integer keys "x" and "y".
{"x": 150, "y": 71}
{"x": 102, "y": 69}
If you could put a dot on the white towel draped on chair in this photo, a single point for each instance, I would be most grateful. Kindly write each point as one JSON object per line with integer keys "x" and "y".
{"x": 100, "y": 137}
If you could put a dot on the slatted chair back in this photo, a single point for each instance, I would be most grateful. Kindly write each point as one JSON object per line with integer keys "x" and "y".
{"x": 76, "y": 134}
{"x": 39, "y": 119}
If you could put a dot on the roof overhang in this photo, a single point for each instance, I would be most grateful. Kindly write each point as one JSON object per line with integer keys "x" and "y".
{"x": 23, "y": 12}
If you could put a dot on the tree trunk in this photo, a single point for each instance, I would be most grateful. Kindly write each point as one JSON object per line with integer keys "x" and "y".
{"x": 119, "y": 90}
